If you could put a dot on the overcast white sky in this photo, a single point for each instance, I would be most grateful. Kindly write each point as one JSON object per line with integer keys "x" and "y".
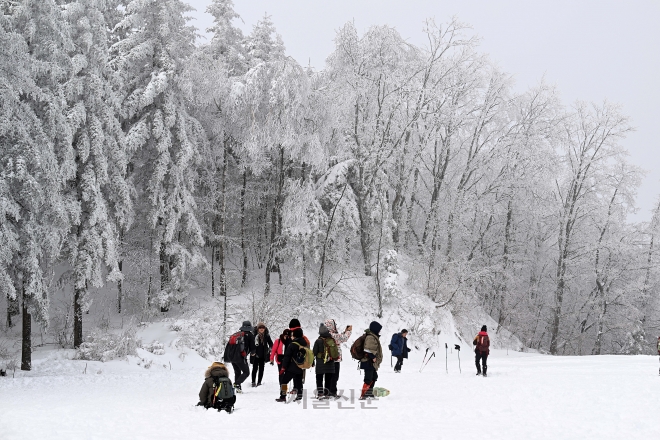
{"x": 591, "y": 49}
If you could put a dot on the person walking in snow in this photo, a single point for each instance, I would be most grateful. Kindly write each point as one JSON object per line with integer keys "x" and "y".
{"x": 262, "y": 346}
{"x": 481, "y": 350}
{"x": 340, "y": 338}
{"x": 213, "y": 373}
{"x": 289, "y": 369}
{"x": 371, "y": 361}
{"x": 239, "y": 361}
{"x": 399, "y": 347}
{"x": 325, "y": 352}
{"x": 279, "y": 346}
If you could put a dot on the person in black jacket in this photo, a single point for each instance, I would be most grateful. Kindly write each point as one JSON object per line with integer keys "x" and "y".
{"x": 240, "y": 365}
{"x": 325, "y": 366}
{"x": 289, "y": 369}
{"x": 262, "y": 346}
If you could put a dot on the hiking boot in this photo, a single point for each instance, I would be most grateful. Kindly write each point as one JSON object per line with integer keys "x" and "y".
{"x": 258, "y": 384}
{"x": 254, "y": 385}
{"x": 282, "y": 398}
{"x": 478, "y": 373}
{"x": 238, "y": 389}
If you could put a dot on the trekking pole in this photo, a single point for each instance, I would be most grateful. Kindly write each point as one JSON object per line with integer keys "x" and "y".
{"x": 429, "y": 359}
{"x": 425, "y": 353}
{"x": 458, "y": 352}
{"x": 446, "y": 367}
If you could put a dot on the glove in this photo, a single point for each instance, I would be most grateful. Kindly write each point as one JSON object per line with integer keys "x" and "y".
{"x": 281, "y": 371}
{"x": 272, "y": 363}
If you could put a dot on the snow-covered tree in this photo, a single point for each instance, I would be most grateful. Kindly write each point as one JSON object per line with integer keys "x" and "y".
{"x": 162, "y": 138}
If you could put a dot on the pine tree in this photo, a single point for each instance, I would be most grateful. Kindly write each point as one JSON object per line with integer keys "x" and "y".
{"x": 35, "y": 154}
{"x": 98, "y": 188}
{"x": 163, "y": 139}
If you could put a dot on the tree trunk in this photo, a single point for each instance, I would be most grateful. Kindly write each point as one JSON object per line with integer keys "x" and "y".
{"x": 78, "y": 297}
{"x": 505, "y": 265}
{"x": 119, "y": 287}
{"x": 26, "y": 346}
{"x": 212, "y": 271}
{"x": 243, "y": 243}
{"x": 13, "y": 309}
{"x": 164, "y": 277}
{"x": 223, "y": 215}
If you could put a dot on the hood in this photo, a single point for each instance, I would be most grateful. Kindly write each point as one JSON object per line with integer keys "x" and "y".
{"x": 482, "y": 333}
{"x": 331, "y": 325}
{"x": 375, "y": 327}
{"x": 261, "y": 324}
{"x": 216, "y": 369}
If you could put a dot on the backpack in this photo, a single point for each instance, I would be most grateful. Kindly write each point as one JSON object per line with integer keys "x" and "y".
{"x": 235, "y": 349}
{"x": 357, "y": 349}
{"x": 222, "y": 389}
{"x": 304, "y": 358}
{"x": 330, "y": 350}
{"x": 394, "y": 337}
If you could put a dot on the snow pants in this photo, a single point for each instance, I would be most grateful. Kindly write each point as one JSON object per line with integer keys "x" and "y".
{"x": 483, "y": 357}
{"x": 399, "y": 363}
{"x": 241, "y": 372}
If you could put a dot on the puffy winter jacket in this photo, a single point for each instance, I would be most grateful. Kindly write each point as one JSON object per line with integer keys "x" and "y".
{"x": 400, "y": 346}
{"x": 278, "y": 349}
{"x": 215, "y": 370}
{"x": 288, "y": 364}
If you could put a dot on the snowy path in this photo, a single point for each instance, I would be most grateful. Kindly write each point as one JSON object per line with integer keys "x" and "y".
{"x": 527, "y": 396}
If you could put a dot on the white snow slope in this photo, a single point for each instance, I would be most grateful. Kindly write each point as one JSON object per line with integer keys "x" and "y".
{"x": 526, "y": 396}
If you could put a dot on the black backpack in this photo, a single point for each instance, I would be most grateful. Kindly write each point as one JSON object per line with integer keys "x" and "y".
{"x": 235, "y": 348}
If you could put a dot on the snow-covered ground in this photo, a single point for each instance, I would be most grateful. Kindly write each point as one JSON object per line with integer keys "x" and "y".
{"x": 526, "y": 396}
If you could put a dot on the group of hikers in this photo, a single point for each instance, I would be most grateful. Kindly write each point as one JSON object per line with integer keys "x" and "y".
{"x": 294, "y": 355}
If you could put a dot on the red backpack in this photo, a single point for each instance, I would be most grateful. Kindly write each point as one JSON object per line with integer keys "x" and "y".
{"x": 235, "y": 349}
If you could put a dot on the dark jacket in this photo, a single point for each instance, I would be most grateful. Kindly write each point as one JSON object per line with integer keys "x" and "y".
{"x": 322, "y": 367}
{"x": 262, "y": 345}
{"x": 400, "y": 346}
{"x": 288, "y": 364}
{"x": 206, "y": 393}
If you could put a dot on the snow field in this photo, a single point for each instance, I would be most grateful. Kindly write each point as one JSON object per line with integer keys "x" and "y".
{"x": 526, "y": 396}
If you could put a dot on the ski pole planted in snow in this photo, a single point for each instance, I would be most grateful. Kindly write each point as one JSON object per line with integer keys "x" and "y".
{"x": 429, "y": 359}
{"x": 458, "y": 352}
{"x": 425, "y": 353}
{"x": 446, "y": 368}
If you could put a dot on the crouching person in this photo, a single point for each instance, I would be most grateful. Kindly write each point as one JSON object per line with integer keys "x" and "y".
{"x": 217, "y": 390}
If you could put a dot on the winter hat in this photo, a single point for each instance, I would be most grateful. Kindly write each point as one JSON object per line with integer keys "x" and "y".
{"x": 285, "y": 333}
{"x": 375, "y": 327}
{"x": 483, "y": 328}
{"x": 404, "y": 331}
{"x": 247, "y": 327}
{"x": 294, "y": 323}
{"x": 261, "y": 325}
{"x": 298, "y": 333}
{"x": 332, "y": 326}
{"x": 323, "y": 329}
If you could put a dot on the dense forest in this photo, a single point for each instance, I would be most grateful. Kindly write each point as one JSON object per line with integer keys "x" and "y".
{"x": 135, "y": 159}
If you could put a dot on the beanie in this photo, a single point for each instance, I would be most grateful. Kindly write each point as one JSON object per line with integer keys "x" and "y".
{"x": 294, "y": 323}
{"x": 298, "y": 333}
{"x": 483, "y": 328}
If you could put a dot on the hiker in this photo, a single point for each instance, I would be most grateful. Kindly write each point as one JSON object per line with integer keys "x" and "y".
{"x": 340, "y": 338}
{"x": 294, "y": 324}
{"x": 325, "y": 352}
{"x": 289, "y": 369}
{"x": 215, "y": 378}
{"x": 240, "y": 345}
{"x": 371, "y": 361}
{"x": 262, "y": 346}
{"x": 277, "y": 352}
{"x": 399, "y": 347}
{"x": 481, "y": 349}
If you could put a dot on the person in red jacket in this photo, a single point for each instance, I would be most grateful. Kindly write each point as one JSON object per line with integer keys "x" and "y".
{"x": 481, "y": 350}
